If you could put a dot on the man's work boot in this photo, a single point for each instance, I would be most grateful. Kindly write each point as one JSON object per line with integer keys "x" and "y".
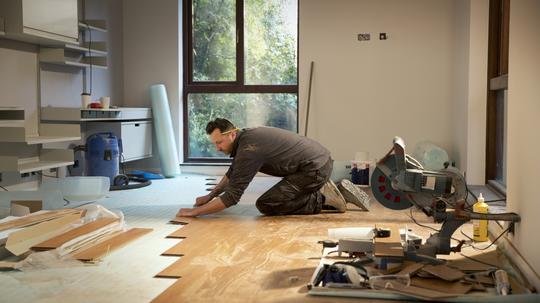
{"x": 354, "y": 195}
{"x": 333, "y": 197}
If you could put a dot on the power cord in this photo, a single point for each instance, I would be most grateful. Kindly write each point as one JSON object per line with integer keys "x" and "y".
{"x": 426, "y": 226}
{"x": 492, "y": 242}
{"x": 421, "y": 225}
{"x": 479, "y": 261}
{"x": 90, "y": 53}
{"x": 3, "y": 188}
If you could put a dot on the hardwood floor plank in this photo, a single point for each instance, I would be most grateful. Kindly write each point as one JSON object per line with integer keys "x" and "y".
{"x": 36, "y": 218}
{"x": 101, "y": 249}
{"x": 20, "y": 241}
{"x": 74, "y": 233}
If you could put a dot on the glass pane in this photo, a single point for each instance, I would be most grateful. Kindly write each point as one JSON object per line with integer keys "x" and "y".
{"x": 243, "y": 110}
{"x": 214, "y": 40}
{"x": 270, "y": 46}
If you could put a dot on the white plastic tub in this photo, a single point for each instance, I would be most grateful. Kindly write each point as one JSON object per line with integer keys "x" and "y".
{"x": 79, "y": 189}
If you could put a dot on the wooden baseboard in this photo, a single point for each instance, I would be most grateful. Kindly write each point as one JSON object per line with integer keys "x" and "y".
{"x": 512, "y": 253}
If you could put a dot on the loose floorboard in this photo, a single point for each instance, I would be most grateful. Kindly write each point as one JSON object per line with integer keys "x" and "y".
{"x": 74, "y": 233}
{"x": 101, "y": 249}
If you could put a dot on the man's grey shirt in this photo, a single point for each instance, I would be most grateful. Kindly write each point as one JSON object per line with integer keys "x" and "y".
{"x": 272, "y": 151}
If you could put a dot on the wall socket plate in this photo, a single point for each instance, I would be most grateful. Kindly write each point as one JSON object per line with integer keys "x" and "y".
{"x": 364, "y": 37}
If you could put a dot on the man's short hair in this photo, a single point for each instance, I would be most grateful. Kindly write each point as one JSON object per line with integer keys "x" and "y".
{"x": 222, "y": 124}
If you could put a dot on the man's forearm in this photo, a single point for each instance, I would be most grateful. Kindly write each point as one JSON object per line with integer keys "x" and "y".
{"x": 211, "y": 207}
{"x": 220, "y": 187}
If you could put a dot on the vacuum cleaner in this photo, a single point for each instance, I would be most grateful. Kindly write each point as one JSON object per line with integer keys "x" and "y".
{"x": 102, "y": 156}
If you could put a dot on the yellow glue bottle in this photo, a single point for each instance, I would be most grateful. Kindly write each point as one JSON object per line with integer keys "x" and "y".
{"x": 480, "y": 227}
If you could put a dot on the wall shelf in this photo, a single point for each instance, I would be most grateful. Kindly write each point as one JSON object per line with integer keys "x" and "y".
{"x": 97, "y": 25}
{"x": 12, "y": 116}
{"x": 60, "y": 56}
{"x": 48, "y": 133}
{"x": 69, "y": 114}
{"x": 97, "y": 48}
{"x": 47, "y": 159}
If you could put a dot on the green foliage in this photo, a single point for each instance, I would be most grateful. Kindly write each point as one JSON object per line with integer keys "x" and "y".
{"x": 270, "y": 52}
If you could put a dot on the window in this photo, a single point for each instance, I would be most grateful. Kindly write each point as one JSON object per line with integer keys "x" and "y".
{"x": 499, "y": 20}
{"x": 241, "y": 63}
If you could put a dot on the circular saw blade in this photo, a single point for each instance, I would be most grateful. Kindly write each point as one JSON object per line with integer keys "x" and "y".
{"x": 381, "y": 186}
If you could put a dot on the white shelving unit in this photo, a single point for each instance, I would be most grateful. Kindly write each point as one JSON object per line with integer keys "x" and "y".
{"x": 61, "y": 56}
{"x": 47, "y": 159}
{"x": 48, "y": 133}
{"x": 13, "y": 130}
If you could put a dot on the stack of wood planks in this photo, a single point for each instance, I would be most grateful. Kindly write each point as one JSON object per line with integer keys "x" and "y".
{"x": 67, "y": 231}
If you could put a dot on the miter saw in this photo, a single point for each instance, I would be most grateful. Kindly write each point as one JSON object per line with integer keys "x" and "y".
{"x": 399, "y": 182}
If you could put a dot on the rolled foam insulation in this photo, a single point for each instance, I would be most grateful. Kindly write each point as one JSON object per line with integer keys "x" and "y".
{"x": 168, "y": 154}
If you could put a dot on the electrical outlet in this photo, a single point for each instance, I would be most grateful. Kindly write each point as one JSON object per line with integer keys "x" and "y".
{"x": 383, "y": 36}
{"x": 364, "y": 37}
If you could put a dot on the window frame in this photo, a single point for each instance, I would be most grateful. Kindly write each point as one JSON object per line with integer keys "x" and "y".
{"x": 233, "y": 87}
{"x": 497, "y": 82}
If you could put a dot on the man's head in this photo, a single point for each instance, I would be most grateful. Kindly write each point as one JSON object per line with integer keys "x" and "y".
{"x": 222, "y": 134}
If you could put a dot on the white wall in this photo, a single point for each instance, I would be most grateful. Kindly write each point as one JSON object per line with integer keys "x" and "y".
{"x": 476, "y": 92}
{"x": 152, "y": 55}
{"x": 365, "y": 93}
{"x": 461, "y": 82}
{"x": 523, "y": 126}
{"x": 470, "y": 80}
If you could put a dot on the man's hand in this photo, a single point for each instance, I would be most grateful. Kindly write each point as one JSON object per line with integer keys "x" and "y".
{"x": 211, "y": 207}
{"x": 187, "y": 212}
{"x": 202, "y": 200}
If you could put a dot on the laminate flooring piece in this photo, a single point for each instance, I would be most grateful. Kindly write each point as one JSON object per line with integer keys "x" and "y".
{"x": 36, "y": 218}
{"x": 74, "y": 233}
{"x": 103, "y": 248}
{"x": 20, "y": 241}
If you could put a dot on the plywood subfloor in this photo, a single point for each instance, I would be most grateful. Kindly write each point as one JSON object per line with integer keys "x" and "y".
{"x": 241, "y": 256}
